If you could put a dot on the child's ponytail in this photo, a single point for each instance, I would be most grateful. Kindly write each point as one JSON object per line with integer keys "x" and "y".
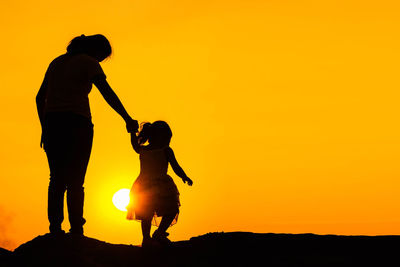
{"x": 144, "y": 133}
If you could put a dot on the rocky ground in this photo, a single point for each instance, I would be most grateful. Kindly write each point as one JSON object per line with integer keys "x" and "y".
{"x": 214, "y": 249}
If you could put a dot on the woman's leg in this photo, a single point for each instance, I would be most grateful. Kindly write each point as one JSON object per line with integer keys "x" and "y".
{"x": 55, "y": 204}
{"x": 56, "y": 146}
{"x": 80, "y": 149}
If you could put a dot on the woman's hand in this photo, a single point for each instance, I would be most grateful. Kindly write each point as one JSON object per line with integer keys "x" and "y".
{"x": 132, "y": 126}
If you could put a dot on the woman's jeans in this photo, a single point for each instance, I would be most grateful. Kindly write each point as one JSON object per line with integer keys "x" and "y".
{"x": 67, "y": 141}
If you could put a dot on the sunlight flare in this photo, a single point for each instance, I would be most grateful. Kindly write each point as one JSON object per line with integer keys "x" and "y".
{"x": 121, "y": 199}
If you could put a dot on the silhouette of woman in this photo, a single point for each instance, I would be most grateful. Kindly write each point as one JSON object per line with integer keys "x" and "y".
{"x": 154, "y": 193}
{"x": 67, "y": 130}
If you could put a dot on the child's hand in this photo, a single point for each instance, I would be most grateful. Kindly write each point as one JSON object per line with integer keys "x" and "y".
{"x": 188, "y": 180}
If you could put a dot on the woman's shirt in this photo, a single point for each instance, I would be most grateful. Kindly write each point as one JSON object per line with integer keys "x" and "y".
{"x": 69, "y": 83}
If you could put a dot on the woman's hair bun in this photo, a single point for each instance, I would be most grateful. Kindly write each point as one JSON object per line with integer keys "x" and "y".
{"x": 96, "y": 46}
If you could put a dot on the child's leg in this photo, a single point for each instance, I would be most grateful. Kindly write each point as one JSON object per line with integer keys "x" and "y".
{"x": 146, "y": 227}
{"x": 166, "y": 222}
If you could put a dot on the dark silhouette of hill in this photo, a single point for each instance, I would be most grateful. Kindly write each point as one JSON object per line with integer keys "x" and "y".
{"x": 214, "y": 249}
{"x": 5, "y": 256}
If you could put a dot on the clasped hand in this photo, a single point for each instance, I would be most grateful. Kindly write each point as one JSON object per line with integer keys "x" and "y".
{"x": 132, "y": 126}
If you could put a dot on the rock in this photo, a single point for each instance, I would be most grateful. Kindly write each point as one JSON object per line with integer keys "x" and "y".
{"x": 213, "y": 249}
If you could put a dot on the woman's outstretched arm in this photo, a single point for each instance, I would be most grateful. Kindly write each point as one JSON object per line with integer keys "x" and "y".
{"x": 113, "y": 100}
{"x": 176, "y": 167}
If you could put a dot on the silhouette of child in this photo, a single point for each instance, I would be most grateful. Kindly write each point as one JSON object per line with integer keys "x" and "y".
{"x": 154, "y": 193}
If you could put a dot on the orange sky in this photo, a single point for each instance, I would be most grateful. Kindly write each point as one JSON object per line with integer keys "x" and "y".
{"x": 284, "y": 113}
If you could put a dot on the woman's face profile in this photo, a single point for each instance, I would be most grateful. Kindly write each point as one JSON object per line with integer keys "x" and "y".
{"x": 98, "y": 56}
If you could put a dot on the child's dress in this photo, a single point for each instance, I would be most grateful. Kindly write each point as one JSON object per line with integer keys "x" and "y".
{"x": 154, "y": 193}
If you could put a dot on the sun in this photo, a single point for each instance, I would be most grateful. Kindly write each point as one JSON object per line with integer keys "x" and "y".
{"x": 121, "y": 199}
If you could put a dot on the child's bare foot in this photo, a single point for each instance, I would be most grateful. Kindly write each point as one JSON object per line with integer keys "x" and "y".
{"x": 150, "y": 243}
{"x": 161, "y": 237}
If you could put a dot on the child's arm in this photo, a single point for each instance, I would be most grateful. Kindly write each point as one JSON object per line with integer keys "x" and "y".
{"x": 135, "y": 142}
{"x": 176, "y": 167}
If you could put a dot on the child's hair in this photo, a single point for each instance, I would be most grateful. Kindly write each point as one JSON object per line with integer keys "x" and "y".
{"x": 144, "y": 132}
{"x": 158, "y": 131}
{"x": 96, "y": 46}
